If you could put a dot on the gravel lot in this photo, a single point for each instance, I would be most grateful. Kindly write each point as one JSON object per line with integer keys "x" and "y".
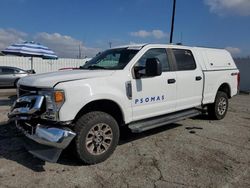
{"x": 191, "y": 153}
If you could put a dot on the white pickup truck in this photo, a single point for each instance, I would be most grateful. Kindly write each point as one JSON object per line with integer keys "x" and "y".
{"x": 137, "y": 86}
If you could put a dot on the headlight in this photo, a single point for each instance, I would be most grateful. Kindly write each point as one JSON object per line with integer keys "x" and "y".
{"x": 54, "y": 101}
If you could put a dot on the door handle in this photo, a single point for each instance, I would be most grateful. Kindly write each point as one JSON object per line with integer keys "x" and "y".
{"x": 198, "y": 78}
{"x": 171, "y": 81}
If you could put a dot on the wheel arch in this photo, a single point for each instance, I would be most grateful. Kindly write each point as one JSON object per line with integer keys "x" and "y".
{"x": 225, "y": 87}
{"x": 104, "y": 105}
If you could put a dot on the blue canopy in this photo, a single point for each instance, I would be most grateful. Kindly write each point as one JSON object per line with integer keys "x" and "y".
{"x": 30, "y": 49}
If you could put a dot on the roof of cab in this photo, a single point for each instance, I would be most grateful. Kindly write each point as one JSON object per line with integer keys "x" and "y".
{"x": 176, "y": 46}
{"x": 140, "y": 46}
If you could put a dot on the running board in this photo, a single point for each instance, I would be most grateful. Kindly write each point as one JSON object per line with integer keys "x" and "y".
{"x": 144, "y": 125}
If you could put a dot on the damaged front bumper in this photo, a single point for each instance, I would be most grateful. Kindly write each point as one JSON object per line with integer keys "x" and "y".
{"x": 49, "y": 139}
{"x": 26, "y": 107}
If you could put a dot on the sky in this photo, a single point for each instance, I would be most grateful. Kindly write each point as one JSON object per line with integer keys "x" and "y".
{"x": 64, "y": 25}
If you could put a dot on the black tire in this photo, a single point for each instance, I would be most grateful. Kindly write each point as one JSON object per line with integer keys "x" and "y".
{"x": 218, "y": 109}
{"x": 85, "y": 128}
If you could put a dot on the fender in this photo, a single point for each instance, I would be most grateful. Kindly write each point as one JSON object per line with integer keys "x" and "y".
{"x": 126, "y": 112}
{"x": 77, "y": 97}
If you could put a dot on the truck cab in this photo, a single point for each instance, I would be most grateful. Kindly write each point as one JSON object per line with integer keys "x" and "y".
{"x": 139, "y": 87}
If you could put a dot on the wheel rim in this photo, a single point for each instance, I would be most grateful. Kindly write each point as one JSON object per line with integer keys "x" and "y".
{"x": 222, "y": 106}
{"x": 99, "y": 139}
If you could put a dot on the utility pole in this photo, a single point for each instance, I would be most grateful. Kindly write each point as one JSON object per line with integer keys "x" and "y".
{"x": 80, "y": 51}
{"x": 110, "y": 44}
{"x": 181, "y": 38}
{"x": 172, "y": 24}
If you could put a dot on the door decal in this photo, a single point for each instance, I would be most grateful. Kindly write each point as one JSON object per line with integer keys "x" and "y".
{"x": 152, "y": 99}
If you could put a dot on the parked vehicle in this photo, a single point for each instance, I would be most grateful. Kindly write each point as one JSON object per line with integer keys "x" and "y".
{"x": 139, "y": 87}
{"x": 10, "y": 75}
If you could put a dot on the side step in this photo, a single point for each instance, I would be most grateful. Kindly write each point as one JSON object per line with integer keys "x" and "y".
{"x": 144, "y": 125}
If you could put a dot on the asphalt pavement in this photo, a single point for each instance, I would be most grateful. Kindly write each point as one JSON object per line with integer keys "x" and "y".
{"x": 195, "y": 152}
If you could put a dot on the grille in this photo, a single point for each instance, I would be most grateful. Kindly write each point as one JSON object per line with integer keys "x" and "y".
{"x": 27, "y": 90}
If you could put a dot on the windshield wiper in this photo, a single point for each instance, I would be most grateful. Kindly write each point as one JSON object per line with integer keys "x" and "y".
{"x": 92, "y": 67}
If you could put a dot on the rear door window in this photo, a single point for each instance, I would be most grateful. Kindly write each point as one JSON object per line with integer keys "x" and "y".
{"x": 184, "y": 59}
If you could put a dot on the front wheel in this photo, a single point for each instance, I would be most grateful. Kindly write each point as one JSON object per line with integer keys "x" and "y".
{"x": 218, "y": 109}
{"x": 97, "y": 137}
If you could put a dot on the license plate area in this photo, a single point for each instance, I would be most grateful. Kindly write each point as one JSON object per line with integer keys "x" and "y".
{"x": 25, "y": 127}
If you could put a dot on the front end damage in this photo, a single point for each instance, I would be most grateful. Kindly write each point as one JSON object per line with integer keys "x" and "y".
{"x": 46, "y": 138}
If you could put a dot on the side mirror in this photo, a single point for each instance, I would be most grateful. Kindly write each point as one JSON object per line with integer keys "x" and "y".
{"x": 32, "y": 71}
{"x": 153, "y": 67}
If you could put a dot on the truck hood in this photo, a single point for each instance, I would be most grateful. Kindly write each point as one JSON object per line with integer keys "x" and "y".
{"x": 49, "y": 80}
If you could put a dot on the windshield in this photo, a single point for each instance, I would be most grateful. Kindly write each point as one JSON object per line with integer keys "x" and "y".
{"x": 114, "y": 59}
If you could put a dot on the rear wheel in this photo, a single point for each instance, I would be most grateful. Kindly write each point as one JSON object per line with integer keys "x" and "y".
{"x": 218, "y": 109}
{"x": 97, "y": 137}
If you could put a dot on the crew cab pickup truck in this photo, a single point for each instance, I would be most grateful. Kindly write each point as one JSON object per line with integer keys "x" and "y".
{"x": 137, "y": 86}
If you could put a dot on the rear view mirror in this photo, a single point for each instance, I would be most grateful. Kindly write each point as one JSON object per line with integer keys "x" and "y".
{"x": 153, "y": 67}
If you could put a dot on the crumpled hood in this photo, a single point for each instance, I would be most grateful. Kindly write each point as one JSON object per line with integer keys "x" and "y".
{"x": 48, "y": 80}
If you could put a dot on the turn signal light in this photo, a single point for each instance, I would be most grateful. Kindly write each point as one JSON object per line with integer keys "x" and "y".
{"x": 59, "y": 96}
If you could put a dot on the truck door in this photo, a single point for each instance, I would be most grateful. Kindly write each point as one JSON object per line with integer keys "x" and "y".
{"x": 153, "y": 96}
{"x": 189, "y": 79}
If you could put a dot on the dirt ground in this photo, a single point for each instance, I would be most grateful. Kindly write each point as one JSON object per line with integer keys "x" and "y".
{"x": 192, "y": 153}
